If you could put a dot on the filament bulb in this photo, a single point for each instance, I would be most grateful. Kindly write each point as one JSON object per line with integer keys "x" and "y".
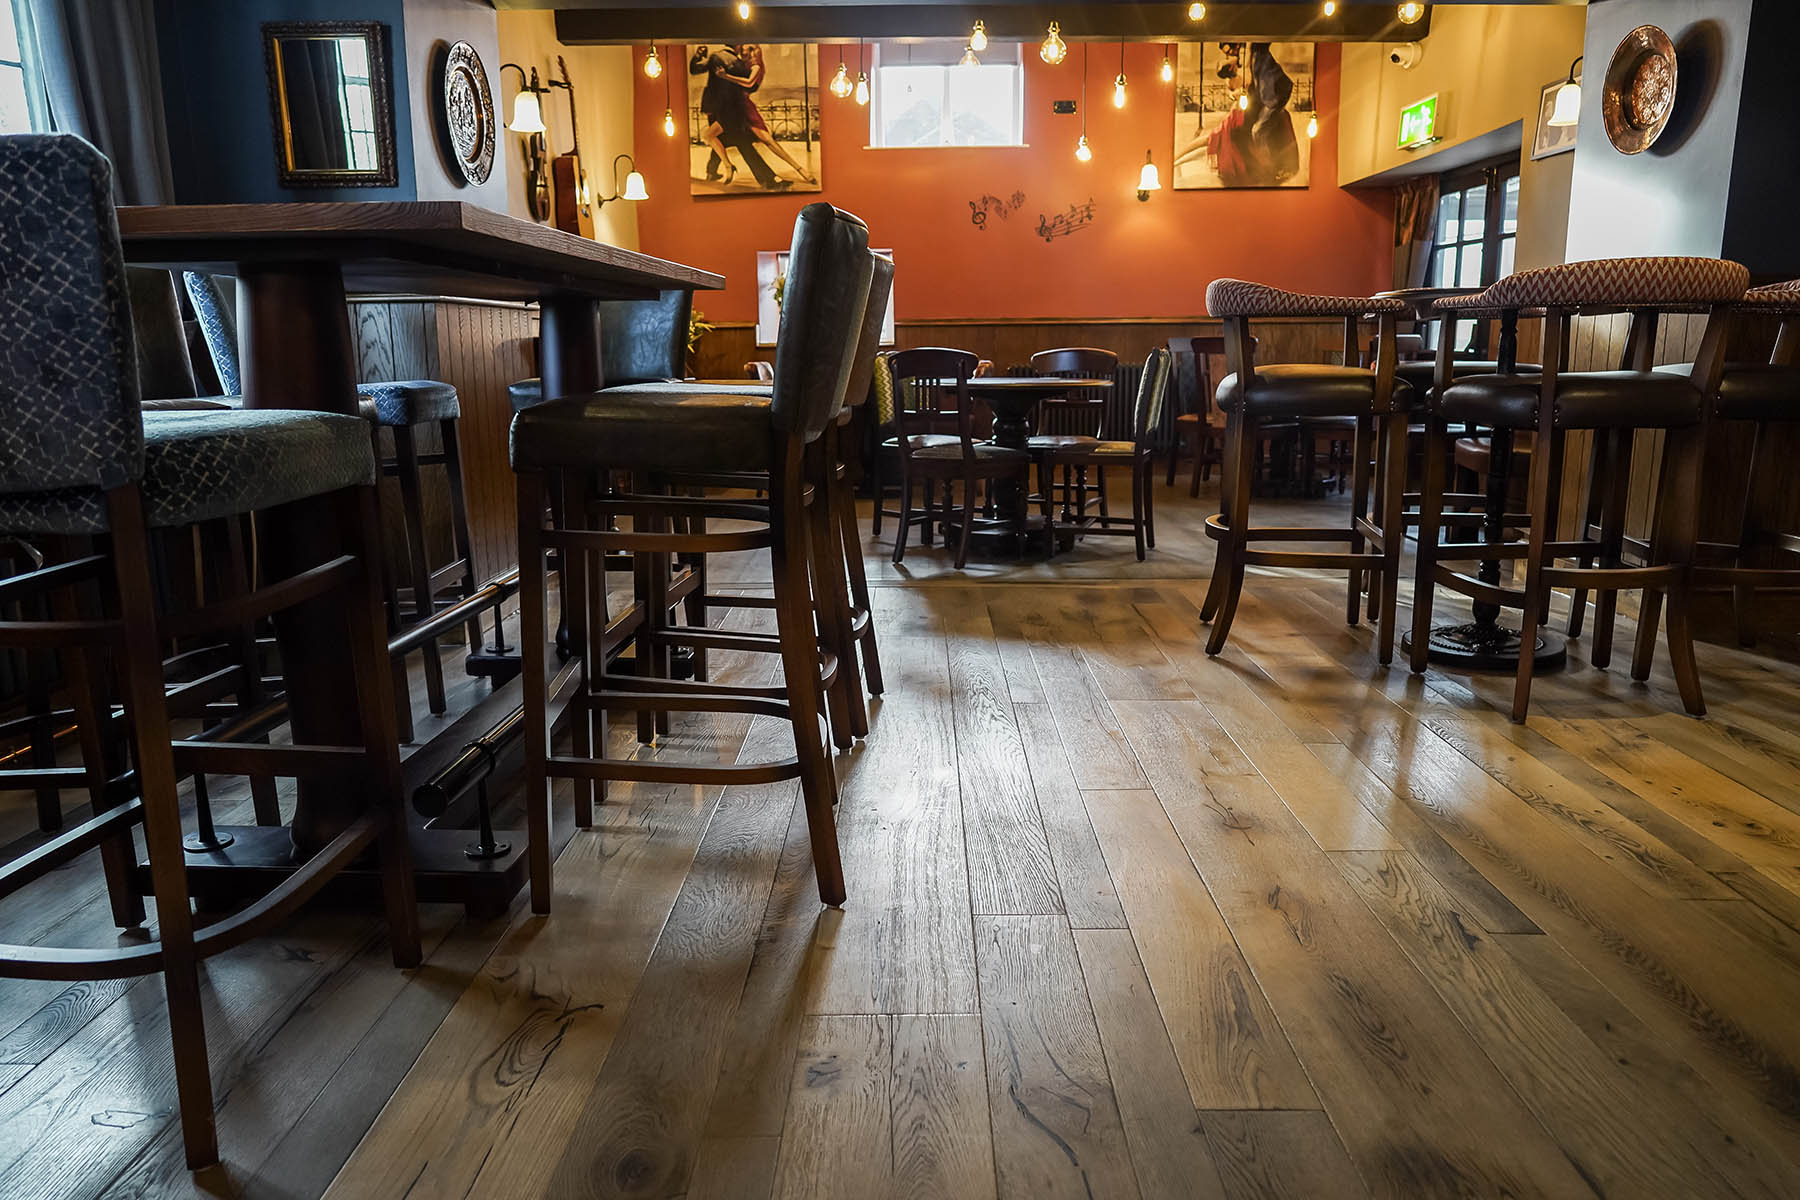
{"x": 669, "y": 122}
{"x": 978, "y": 39}
{"x": 1054, "y": 49}
{"x": 653, "y": 65}
{"x": 862, "y": 88}
{"x": 1168, "y": 70}
{"x": 1196, "y": 12}
{"x": 1119, "y": 91}
{"x": 1083, "y": 152}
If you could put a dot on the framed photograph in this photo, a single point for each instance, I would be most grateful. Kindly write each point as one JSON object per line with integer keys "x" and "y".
{"x": 753, "y": 119}
{"x": 771, "y": 274}
{"x": 1551, "y": 139}
{"x": 1241, "y": 115}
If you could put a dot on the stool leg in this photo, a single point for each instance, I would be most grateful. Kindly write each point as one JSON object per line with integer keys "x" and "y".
{"x": 1240, "y": 444}
{"x": 406, "y": 457}
{"x": 844, "y": 513}
{"x": 1140, "y": 502}
{"x": 1215, "y": 587}
{"x": 1359, "y": 504}
{"x": 1201, "y": 445}
{"x": 1149, "y": 509}
{"x": 844, "y": 698}
{"x": 149, "y": 717}
{"x": 381, "y": 742}
{"x": 459, "y": 525}
{"x": 906, "y": 495}
{"x": 1592, "y": 515}
{"x": 1431, "y": 518}
{"x": 1393, "y": 531}
{"x": 1747, "y": 538}
{"x": 800, "y": 665}
{"x": 1543, "y": 455}
{"x": 1614, "y": 490}
{"x": 1676, "y": 531}
{"x": 577, "y": 576}
{"x": 534, "y": 640}
{"x": 694, "y": 606}
{"x": 877, "y": 488}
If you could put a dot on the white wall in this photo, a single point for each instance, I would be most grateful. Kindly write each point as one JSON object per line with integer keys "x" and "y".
{"x": 432, "y": 26}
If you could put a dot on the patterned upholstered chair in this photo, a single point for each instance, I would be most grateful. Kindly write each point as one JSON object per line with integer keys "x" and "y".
{"x": 1253, "y": 396}
{"x": 674, "y": 430}
{"x": 1153, "y": 390}
{"x": 82, "y": 466}
{"x": 1611, "y": 404}
{"x": 1757, "y": 394}
{"x": 400, "y": 407}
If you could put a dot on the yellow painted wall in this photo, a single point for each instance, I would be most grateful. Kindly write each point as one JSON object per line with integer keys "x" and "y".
{"x": 602, "y": 78}
{"x": 1487, "y": 64}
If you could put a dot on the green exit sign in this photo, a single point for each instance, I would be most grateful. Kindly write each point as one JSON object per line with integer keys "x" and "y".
{"x": 1418, "y": 123}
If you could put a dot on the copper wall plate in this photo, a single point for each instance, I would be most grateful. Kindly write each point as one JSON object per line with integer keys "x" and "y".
{"x": 468, "y": 113}
{"x": 1639, "y": 93}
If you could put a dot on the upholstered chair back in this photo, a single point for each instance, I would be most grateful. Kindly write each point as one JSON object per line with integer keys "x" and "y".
{"x": 829, "y": 273}
{"x": 1153, "y": 390}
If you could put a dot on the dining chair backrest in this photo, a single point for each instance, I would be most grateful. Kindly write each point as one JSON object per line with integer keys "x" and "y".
{"x": 1208, "y": 353}
{"x": 868, "y": 343}
{"x": 214, "y": 298}
{"x": 165, "y": 372}
{"x": 1076, "y": 362}
{"x": 922, "y": 402}
{"x": 1153, "y": 389}
{"x": 829, "y": 273}
{"x": 69, "y": 413}
{"x": 760, "y": 369}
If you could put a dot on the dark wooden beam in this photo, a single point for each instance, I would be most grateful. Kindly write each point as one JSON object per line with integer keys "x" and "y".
{"x": 626, "y": 24}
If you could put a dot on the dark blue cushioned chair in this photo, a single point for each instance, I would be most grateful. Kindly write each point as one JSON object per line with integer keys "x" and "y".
{"x": 82, "y": 467}
{"x": 400, "y": 407}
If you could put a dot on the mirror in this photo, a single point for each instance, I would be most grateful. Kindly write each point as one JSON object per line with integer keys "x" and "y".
{"x": 331, "y": 102}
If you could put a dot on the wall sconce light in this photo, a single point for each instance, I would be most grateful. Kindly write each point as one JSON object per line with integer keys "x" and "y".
{"x": 1149, "y": 179}
{"x": 528, "y": 120}
{"x": 1567, "y": 108}
{"x": 528, "y": 112}
{"x": 634, "y": 188}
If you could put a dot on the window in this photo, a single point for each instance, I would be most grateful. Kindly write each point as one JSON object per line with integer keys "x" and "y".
{"x": 923, "y": 96}
{"x": 1476, "y": 236}
{"x": 21, "y": 111}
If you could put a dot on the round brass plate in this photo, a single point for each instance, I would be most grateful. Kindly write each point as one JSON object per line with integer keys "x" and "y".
{"x": 469, "y": 112}
{"x": 1639, "y": 93}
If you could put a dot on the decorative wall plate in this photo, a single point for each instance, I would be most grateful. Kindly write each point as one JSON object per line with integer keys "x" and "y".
{"x": 468, "y": 113}
{"x": 1639, "y": 93}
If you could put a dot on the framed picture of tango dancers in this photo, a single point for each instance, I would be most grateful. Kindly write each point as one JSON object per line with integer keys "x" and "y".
{"x": 753, "y": 119}
{"x": 1242, "y": 111}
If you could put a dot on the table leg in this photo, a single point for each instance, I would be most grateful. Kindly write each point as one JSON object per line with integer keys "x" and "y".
{"x": 297, "y": 353}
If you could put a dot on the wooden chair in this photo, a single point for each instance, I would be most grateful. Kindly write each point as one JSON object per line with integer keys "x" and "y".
{"x": 760, "y": 370}
{"x": 1199, "y": 433}
{"x": 1137, "y": 454}
{"x": 671, "y": 431}
{"x": 1252, "y": 396}
{"x": 82, "y": 465}
{"x": 947, "y": 460}
{"x": 1614, "y": 405}
{"x": 1069, "y": 422}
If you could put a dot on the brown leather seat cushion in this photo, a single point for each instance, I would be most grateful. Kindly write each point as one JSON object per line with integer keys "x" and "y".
{"x": 1103, "y": 450}
{"x": 1584, "y": 400}
{"x": 920, "y": 441}
{"x": 1420, "y": 375}
{"x": 1060, "y": 441}
{"x": 669, "y": 429}
{"x": 1753, "y": 391}
{"x": 983, "y": 450}
{"x": 1304, "y": 390}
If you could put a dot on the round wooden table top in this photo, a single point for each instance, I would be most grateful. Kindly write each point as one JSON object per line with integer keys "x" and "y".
{"x": 1418, "y": 300}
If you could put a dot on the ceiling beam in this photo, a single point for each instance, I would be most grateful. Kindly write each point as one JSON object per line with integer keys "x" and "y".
{"x": 1132, "y": 22}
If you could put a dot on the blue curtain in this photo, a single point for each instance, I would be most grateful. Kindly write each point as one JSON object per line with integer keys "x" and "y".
{"x": 102, "y": 80}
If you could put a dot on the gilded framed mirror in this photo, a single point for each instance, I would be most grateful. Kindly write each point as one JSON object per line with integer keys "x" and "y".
{"x": 331, "y": 99}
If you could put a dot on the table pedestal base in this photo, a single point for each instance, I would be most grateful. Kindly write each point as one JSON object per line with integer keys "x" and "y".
{"x": 1475, "y": 646}
{"x": 997, "y": 537}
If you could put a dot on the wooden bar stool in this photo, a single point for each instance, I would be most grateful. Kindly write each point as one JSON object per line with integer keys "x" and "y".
{"x": 675, "y": 431}
{"x": 1613, "y": 404}
{"x": 1253, "y": 397}
{"x": 80, "y": 462}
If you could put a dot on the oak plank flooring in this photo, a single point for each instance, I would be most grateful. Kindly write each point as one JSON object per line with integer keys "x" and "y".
{"x": 939, "y": 1127}
{"x": 1280, "y": 1156}
{"x": 1089, "y": 898}
{"x": 837, "y": 1140}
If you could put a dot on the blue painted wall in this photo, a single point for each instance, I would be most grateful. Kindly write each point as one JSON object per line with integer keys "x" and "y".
{"x": 215, "y": 91}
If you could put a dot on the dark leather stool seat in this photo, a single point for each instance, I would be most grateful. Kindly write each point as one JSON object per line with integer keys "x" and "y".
{"x": 1421, "y": 374}
{"x": 672, "y": 430}
{"x": 1584, "y": 400}
{"x": 1752, "y": 391}
{"x": 199, "y": 466}
{"x": 408, "y": 402}
{"x": 1040, "y": 442}
{"x": 1306, "y": 390}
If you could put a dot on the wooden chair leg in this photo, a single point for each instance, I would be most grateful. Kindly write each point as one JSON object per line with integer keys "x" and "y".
{"x": 1748, "y": 536}
{"x": 906, "y": 494}
{"x": 968, "y": 519}
{"x": 1359, "y": 504}
{"x": 577, "y": 578}
{"x": 800, "y": 666}
{"x": 1431, "y": 516}
{"x": 1615, "y": 491}
{"x": 1240, "y": 444}
{"x": 1393, "y": 533}
{"x": 844, "y": 698}
{"x": 1674, "y": 544}
{"x": 877, "y": 488}
{"x": 406, "y": 457}
{"x": 1228, "y": 470}
{"x": 1140, "y": 478}
{"x": 1149, "y": 509}
{"x": 843, "y": 511}
{"x": 534, "y": 640}
{"x": 149, "y": 717}
{"x": 1203, "y": 452}
{"x": 1592, "y": 514}
{"x": 1531, "y": 615}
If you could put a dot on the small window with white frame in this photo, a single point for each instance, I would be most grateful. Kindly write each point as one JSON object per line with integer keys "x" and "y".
{"x": 938, "y": 93}
{"x": 22, "y": 107}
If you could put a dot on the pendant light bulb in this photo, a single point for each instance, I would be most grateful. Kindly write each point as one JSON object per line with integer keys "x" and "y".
{"x": 1331, "y": 8}
{"x": 862, "y": 89}
{"x": 668, "y": 122}
{"x": 841, "y": 84}
{"x": 743, "y": 10}
{"x": 968, "y": 58}
{"x": 1410, "y": 12}
{"x": 653, "y": 67}
{"x": 1168, "y": 70}
{"x": 978, "y": 39}
{"x": 1312, "y": 126}
{"x": 1244, "y": 101}
{"x": 1196, "y": 12}
{"x": 1119, "y": 92}
{"x": 1054, "y": 49}
{"x": 1083, "y": 152}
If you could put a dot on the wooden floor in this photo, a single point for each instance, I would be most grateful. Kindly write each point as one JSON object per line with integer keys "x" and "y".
{"x": 1123, "y": 921}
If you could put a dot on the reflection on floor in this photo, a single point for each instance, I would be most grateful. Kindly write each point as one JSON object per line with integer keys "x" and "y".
{"x": 1123, "y": 920}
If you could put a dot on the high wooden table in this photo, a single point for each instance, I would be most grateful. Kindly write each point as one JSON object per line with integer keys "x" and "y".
{"x": 295, "y": 265}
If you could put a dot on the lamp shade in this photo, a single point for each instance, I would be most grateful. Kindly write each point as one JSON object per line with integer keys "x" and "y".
{"x": 634, "y": 188}
{"x": 1567, "y": 109}
{"x": 527, "y": 116}
{"x": 1149, "y": 179}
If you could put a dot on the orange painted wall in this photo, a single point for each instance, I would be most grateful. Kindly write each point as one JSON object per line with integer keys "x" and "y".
{"x": 1135, "y": 260}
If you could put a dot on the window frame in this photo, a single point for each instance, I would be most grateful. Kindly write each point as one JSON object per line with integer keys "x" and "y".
{"x": 31, "y": 78}
{"x": 1493, "y": 174}
{"x": 1015, "y": 65}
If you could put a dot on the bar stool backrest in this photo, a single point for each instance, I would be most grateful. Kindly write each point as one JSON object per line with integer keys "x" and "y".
{"x": 1153, "y": 388}
{"x": 68, "y": 373}
{"x": 645, "y": 341}
{"x": 829, "y": 271}
{"x": 868, "y": 344}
